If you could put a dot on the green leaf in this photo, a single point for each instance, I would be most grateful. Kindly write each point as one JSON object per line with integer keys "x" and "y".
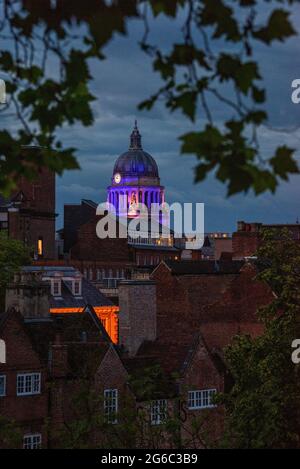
{"x": 216, "y": 12}
{"x": 258, "y": 95}
{"x": 257, "y": 117}
{"x": 229, "y": 67}
{"x": 168, "y": 7}
{"x": 205, "y": 144}
{"x": 278, "y": 28}
{"x": 187, "y": 102}
{"x": 283, "y": 163}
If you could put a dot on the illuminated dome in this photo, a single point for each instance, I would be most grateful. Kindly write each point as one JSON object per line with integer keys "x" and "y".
{"x": 135, "y": 179}
{"x": 136, "y": 162}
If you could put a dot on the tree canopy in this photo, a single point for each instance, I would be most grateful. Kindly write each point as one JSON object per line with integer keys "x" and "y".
{"x": 46, "y": 48}
{"x": 13, "y": 254}
{"x": 263, "y": 405}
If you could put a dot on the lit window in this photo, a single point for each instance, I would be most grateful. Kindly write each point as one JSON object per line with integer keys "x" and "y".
{"x": 28, "y": 384}
{"x": 40, "y": 247}
{"x": 158, "y": 411}
{"x": 201, "y": 399}
{"x": 111, "y": 405}
{"x": 33, "y": 441}
{"x": 2, "y": 385}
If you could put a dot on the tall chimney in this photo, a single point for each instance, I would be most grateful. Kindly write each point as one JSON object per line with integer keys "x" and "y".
{"x": 137, "y": 316}
{"x": 29, "y": 295}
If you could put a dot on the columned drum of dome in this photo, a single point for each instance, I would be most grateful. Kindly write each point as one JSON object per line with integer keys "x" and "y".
{"x": 135, "y": 179}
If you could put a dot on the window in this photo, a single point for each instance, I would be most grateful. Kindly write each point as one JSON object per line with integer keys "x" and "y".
{"x": 201, "y": 399}
{"x": 40, "y": 247}
{"x": 2, "y": 385}
{"x": 77, "y": 287}
{"x": 33, "y": 441}
{"x": 158, "y": 412}
{"x": 111, "y": 405}
{"x": 110, "y": 282}
{"x": 3, "y": 220}
{"x": 56, "y": 287}
{"x": 28, "y": 384}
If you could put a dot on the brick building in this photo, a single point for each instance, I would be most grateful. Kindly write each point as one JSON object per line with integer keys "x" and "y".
{"x": 246, "y": 240}
{"x": 23, "y": 389}
{"x": 178, "y": 323}
{"x": 186, "y": 315}
{"x": 29, "y": 214}
{"x": 48, "y": 356}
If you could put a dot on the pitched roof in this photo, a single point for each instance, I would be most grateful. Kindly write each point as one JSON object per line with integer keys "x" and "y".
{"x": 70, "y": 329}
{"x": 172, "y": 357}
{"x": 90, "y": 295}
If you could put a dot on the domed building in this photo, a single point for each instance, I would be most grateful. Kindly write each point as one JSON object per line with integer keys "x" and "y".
{"x": 135, "y": 179}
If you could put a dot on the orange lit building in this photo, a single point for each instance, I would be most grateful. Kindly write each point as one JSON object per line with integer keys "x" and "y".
{"x": 70, "y": 292}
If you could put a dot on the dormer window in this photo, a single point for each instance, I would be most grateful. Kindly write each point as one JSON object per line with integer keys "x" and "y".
{"x": 56, "y": 287}
{"x": 77, "y": 287}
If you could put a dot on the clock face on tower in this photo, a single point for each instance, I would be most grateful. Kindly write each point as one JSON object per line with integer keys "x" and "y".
{"x": 117, "y": 178}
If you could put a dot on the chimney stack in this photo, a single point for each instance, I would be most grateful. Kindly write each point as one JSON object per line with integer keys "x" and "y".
{"x": 137, "y": 316}
{"x": 29, "y": 295}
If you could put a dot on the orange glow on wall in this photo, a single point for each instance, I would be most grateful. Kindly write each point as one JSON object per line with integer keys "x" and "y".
{"x": 108, "y": 315}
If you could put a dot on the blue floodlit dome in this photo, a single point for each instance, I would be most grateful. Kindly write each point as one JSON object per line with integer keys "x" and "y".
{"x": 135, "y": 161}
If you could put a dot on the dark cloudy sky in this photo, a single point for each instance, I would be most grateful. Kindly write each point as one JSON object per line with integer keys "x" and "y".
{"x": 124, "y": 79}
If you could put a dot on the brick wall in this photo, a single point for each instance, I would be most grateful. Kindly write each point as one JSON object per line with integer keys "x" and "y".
{"x": 91, "y": 248}
{"x": 244, "y": 244}
{"x": 74, "y": 217}
{"x": 218, "y": 305}
{"x": 137, "y": 316}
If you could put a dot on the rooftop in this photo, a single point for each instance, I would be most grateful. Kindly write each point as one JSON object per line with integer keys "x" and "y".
{"x": 201, "y": 267}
